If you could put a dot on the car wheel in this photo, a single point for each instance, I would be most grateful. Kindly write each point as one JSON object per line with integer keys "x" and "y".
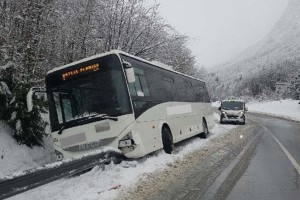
{"x": 244, "y": 122}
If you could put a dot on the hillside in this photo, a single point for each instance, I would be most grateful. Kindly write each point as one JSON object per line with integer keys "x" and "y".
{"x": 15, "y": 158}
{"x": 274, "y": 59}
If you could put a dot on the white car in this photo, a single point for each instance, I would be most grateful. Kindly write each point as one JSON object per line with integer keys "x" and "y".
{"x": 233, "y": 111}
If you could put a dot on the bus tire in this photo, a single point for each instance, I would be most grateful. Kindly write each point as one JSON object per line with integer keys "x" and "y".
{"x": 205, "y": 132}
{"x": 167, "y": 140}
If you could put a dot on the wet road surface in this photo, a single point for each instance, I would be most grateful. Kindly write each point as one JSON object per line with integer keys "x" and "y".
{"x": 271, "y": 173}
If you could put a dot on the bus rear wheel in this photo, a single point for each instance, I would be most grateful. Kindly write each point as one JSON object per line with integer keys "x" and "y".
{"x": 205, "y": 132}
{"x": 167, "y": 140}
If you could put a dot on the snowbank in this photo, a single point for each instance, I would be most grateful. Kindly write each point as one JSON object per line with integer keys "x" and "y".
{"x": 216, "y": 104}
{"x": 286, "y": 108}
{"x": 15, "y": 157}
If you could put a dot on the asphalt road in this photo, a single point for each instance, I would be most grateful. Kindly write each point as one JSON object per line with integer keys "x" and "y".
{"x": 273, "y": 172}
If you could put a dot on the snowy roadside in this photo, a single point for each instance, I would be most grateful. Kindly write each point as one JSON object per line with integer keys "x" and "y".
{"x": 289, "y": 109}
{"x": 98, "y": 184}
{"x": 16, "y": 158}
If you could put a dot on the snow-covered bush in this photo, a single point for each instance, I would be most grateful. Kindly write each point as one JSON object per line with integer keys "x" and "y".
{"x": 28, "y": 127}
{"x": 6, "y": 83}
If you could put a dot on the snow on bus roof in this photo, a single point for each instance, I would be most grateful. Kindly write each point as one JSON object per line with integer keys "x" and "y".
{"x": 154, "y": 63}
{"x": 82, "y": 60}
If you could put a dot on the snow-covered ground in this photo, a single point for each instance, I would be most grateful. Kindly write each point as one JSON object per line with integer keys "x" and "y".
{"x": 14, "y": 157}
{"x": 98, "y": 184}
{"x": 289, "y": 109}
{"x": 285, "y": 108}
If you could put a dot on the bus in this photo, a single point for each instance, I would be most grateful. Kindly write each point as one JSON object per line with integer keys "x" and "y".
{"x": 119, "y": 100}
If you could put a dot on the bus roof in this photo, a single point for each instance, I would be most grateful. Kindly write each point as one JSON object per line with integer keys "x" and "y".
{"x": 118, "y": 52}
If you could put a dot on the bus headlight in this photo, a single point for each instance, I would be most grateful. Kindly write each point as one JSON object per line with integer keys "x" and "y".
{"x": 59, "y": 156}
{"x": 125, "y": 143}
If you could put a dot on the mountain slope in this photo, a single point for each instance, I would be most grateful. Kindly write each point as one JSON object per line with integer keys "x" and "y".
{"x": 278, "y": 52}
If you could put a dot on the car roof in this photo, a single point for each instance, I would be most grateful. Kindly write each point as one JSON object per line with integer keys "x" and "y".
{"x": 233, "y": 100}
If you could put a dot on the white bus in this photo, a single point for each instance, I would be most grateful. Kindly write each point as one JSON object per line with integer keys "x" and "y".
{"x": 118, "y": 100}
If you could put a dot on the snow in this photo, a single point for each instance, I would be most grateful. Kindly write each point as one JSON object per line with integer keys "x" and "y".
{"x": 4, "y": 88}
{"x": 107, "y": 183}
{"x": 18, "y": 125}
{"x": 285, "y": 108}
{"x": 29, "y": 100}
{"x": 8, "y": 65}
{"x": 15, "y": 158}
{"x": 216, "y": 104}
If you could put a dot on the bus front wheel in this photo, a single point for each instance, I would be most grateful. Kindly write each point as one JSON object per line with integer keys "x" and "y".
{"x": 167, "y": 140}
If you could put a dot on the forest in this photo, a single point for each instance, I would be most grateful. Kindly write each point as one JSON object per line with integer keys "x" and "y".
{"x": 39, "y": 35}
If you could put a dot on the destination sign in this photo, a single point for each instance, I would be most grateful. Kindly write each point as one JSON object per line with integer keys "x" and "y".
{"x": 75, "y": 72}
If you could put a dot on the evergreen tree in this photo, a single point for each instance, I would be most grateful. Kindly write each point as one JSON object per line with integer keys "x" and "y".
{"x": 28, "y": 126}
{"x": 22, "y": 70}
{"x": 6, "y": 83}
{"x": 297, "y": 87}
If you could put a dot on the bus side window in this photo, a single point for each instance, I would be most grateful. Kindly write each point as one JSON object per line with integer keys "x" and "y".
{"x": 140, "y": 86}
{"x": 189, "y": 91}
{"x": 170, "y": 88}
{"x": 199, "y": 93}
{"x": 204, "y": 93}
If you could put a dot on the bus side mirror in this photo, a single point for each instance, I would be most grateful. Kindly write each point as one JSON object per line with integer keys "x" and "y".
{"x": 30, "y": 94}
{"x": 219, "y": 108}
{"x": 129, "y": 72}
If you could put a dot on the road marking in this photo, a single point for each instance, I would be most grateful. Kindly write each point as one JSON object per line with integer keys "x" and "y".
{"x": 212, "y": 191}
{"x": 287, "y": 153}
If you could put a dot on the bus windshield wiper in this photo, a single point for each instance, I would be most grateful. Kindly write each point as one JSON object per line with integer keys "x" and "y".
{"x": 92, "y": 118}
{"x": 98, "y": 116}
{"x": 66, "y": 125}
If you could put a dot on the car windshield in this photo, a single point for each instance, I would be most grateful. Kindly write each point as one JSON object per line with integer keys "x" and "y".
{"x": 232, "y": 105}
{"x": 96, "y": 94}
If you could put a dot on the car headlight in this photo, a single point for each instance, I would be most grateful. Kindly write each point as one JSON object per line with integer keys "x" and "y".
{"x": 224, "y": 113}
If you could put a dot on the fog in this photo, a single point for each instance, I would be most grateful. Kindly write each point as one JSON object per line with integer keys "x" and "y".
{"x": 219, "y": 29}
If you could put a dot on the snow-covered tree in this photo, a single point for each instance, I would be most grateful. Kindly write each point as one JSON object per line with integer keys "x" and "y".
{"x": 296, "y": 86}
{"x": 38, "y": 35}
{"x": 6, "y": 83}
{"x": 24, "y": 26}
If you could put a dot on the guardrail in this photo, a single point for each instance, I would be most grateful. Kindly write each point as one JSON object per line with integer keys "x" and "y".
{"x": 35, "y": 178}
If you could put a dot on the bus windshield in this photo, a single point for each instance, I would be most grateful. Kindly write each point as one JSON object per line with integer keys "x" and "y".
{"x": 99, "y": 93}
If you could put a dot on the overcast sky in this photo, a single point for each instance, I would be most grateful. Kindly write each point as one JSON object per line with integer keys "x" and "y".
{"x": 220, "y": 29}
